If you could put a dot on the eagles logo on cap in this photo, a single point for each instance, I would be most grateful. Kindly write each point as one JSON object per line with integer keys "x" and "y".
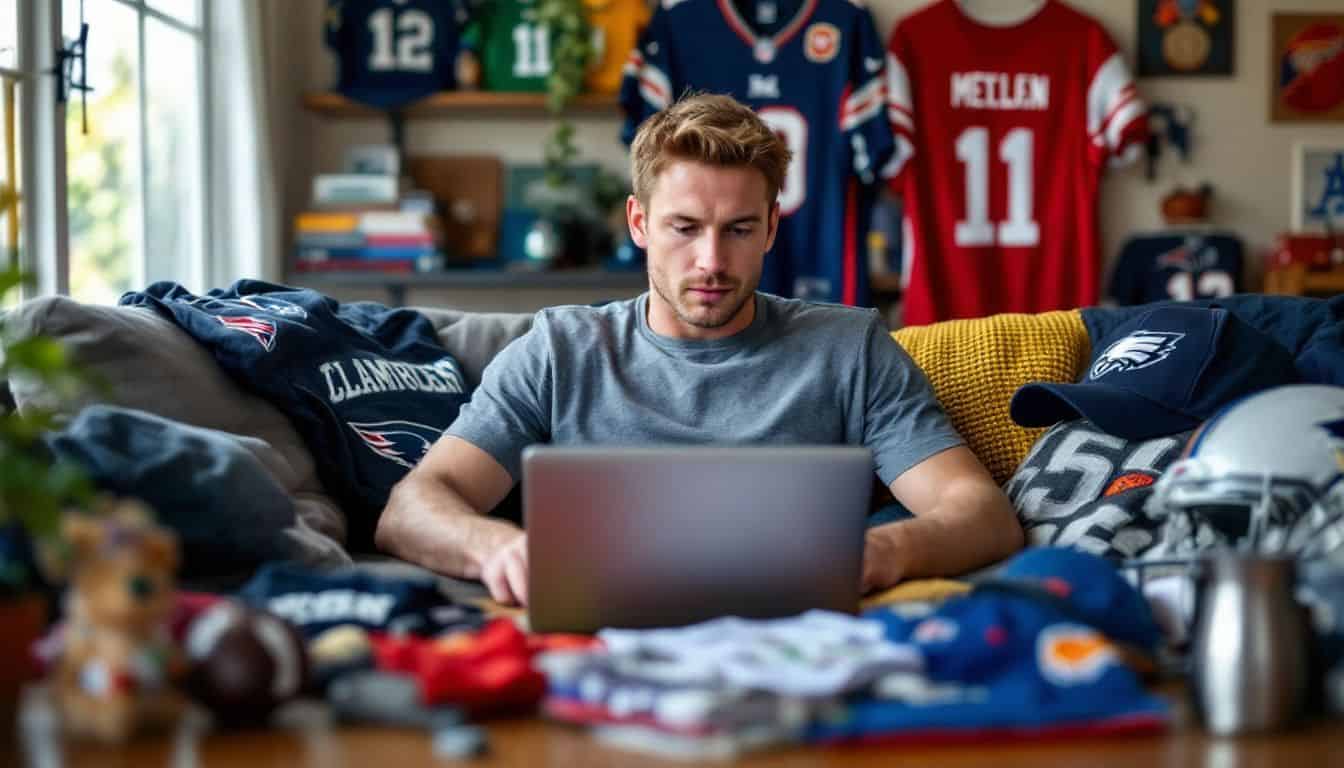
{"x": 821, "y": 42}
{"x": 1139, "y": 349}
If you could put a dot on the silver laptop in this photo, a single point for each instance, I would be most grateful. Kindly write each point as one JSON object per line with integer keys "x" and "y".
{"x": 665, "y": 536}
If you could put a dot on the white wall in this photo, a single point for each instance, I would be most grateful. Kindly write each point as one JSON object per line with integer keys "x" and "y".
{"x": 1247, "y": 159}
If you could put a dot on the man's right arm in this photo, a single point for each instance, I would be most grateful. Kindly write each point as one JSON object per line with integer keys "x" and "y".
{"x": 436, "y": 515}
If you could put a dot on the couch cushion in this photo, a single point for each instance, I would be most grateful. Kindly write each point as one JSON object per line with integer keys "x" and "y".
{"x": 474, "y": 338}
{"x": 975, "y": 366}
{"x": 147, "y": 363}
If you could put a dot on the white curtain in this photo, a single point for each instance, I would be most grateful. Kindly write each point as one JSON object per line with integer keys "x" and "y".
{"x": 244, "y": 220}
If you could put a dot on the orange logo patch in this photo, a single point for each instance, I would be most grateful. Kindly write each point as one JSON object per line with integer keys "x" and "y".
{"x": 1071, "y": 653}
{"x": 1128, "y": 482}
{"x": 821, "y": 42}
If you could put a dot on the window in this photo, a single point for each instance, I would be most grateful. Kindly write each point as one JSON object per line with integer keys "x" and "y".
{"x": 136, "y": 179}
{"x": 11, "y": 158}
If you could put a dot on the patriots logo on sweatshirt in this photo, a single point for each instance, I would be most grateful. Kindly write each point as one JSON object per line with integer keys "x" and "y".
{"x": 404, "y": 442}
{"x": 1139, "y": 349}
{"x": 258, "y": 328}
{"x": 253, "y": 303}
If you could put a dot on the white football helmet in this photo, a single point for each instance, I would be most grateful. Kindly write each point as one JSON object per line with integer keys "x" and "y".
{"x": 1263, "y": 474}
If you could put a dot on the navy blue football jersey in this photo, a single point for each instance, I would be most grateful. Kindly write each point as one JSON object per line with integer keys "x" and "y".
{"x": 392, "y": 52}
{"x": 1177, "y": 266}
{"x": 814, "y": 71}
{"x": 368, "y": 388}
{"x": 316, "y": 600}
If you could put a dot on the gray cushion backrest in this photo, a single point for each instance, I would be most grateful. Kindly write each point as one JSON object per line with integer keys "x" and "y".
{"x": 148, "y": 363}
{"x": 474, "y": 338}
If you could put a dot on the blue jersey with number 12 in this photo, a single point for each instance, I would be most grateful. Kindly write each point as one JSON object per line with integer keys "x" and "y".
{"x": 814, "y": 71}
{"x": 393, "y": 52}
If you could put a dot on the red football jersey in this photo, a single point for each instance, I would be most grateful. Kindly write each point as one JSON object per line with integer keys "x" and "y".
{"x": 1003, "y": 134}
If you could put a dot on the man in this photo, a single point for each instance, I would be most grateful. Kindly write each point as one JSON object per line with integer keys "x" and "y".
{"x": 702, "y": 357}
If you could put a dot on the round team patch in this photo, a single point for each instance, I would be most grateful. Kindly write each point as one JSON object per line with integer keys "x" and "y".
{"x": 821, "y": 42}
{"x": 1069, "y": 654}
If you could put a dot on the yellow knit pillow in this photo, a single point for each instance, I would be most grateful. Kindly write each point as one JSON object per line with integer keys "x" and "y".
{"x": 975, "y": 366}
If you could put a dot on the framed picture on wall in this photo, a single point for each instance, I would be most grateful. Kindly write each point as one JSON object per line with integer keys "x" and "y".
{"x": 1318, "y": 187}
{"x": 1307, "y": 67}
{"x": 1185, "y": 37}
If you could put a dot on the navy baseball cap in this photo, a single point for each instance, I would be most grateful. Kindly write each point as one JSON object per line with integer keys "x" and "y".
{"x": 1163, "y": 372}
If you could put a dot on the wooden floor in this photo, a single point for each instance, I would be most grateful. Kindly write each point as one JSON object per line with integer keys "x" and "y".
{"x": 306, "y": 738}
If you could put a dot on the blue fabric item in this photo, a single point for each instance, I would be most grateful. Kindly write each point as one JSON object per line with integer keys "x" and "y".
{"x": 368, "y": 388}
{"x": 1087, "y": 587}
{"x": 1010, "y": 660}
{"x": 227, "y": 510}
{"x": 1162, "y": 371}
{"x": 1312, "y": 330}
{"x": 997, "y": 662}
{"x": 315, "y": 600}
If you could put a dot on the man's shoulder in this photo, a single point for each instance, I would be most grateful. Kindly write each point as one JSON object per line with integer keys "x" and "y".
{"x": 804, "y": 313}
{"x": 565, "y": 318}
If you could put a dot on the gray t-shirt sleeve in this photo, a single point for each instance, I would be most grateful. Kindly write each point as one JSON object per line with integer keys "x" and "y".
{"x": 904, "y": 423}
{"x": 511, "y": 409}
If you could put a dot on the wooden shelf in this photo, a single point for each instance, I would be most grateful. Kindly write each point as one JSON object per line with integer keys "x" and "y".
{"x": 628, "y": 283}
{"x": 1297, "y": 280}
{"x": 462, "y": 104}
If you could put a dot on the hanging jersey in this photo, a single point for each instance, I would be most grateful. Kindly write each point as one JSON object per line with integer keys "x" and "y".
{"x": 368, "y": 388}
{"x": 514, "y": 48}
{"x": 1003, "y": 133}
{"x": 1179, "y": 266}
{"x": 616, "y": 27}
{"x": 392, "y": 52}
{"x": 812, "y": 69}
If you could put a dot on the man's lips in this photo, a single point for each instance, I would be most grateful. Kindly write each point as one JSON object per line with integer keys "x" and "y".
{"x": 709, "y": 293}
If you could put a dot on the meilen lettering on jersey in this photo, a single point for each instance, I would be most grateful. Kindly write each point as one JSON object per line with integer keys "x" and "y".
{"x": 403, "y": 442}
{"x": 1139, "y": 349}
{"x": 357, "y": 377}
{"x": 333, "y": 605}
{"x": 1000, "y": 90}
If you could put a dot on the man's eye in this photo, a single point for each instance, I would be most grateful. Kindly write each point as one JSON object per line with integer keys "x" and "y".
{"x": 742, "y": 231}
{"x": 684, "y": 229}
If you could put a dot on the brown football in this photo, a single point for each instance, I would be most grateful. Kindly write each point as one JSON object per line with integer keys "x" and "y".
{"x": 244, "y": 663}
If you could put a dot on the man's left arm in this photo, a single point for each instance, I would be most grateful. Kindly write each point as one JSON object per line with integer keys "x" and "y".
{"x": 963, "y": 521}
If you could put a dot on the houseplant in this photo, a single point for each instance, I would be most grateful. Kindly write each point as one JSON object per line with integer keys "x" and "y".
{"x": 34, "y": 493}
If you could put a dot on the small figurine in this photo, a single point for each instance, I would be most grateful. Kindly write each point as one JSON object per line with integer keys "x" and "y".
{"x": 119, "y": 664}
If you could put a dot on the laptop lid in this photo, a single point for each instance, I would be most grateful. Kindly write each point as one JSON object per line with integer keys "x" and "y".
{"x": 662, "y": 536}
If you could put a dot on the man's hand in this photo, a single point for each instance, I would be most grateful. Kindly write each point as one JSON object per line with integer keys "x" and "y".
{"x": 505, "y": 572}
{"x": 881, "y": 562}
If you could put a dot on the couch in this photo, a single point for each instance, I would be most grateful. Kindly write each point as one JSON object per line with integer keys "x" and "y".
{"x": 148, "y": 364}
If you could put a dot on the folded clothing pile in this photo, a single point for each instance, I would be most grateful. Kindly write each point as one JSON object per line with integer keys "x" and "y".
{"x": 1040, "y": 649}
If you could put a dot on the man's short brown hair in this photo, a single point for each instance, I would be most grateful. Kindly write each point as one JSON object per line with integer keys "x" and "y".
{"x": 706, "y": 128}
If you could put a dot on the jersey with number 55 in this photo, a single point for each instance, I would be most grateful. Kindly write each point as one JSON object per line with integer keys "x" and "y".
{"x": 1003, "y": 133}
{"x": 392, "y": 52}
{"x": 813, "y": 71}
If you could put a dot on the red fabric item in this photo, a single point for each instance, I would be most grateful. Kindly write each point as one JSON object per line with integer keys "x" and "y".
{"x": 486, "y": 671}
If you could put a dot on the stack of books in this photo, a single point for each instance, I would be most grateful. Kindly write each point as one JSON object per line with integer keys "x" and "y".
{"x": 367, "y": 220}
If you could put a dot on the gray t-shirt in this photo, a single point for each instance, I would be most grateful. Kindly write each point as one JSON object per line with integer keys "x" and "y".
{"x": 802, "y": 372}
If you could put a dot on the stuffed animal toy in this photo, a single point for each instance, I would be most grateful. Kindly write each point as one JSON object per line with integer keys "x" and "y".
{"x": 118, "y": 667}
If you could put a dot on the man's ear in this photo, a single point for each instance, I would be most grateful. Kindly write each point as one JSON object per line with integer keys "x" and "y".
{"x": 638, "y": 221}
{"x": 773, "y": 221}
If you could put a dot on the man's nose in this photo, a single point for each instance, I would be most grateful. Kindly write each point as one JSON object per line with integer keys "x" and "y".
{"x": 710, "y": 253}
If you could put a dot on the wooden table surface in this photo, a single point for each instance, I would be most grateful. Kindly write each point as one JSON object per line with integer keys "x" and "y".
{"x": 305, "y": 737}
